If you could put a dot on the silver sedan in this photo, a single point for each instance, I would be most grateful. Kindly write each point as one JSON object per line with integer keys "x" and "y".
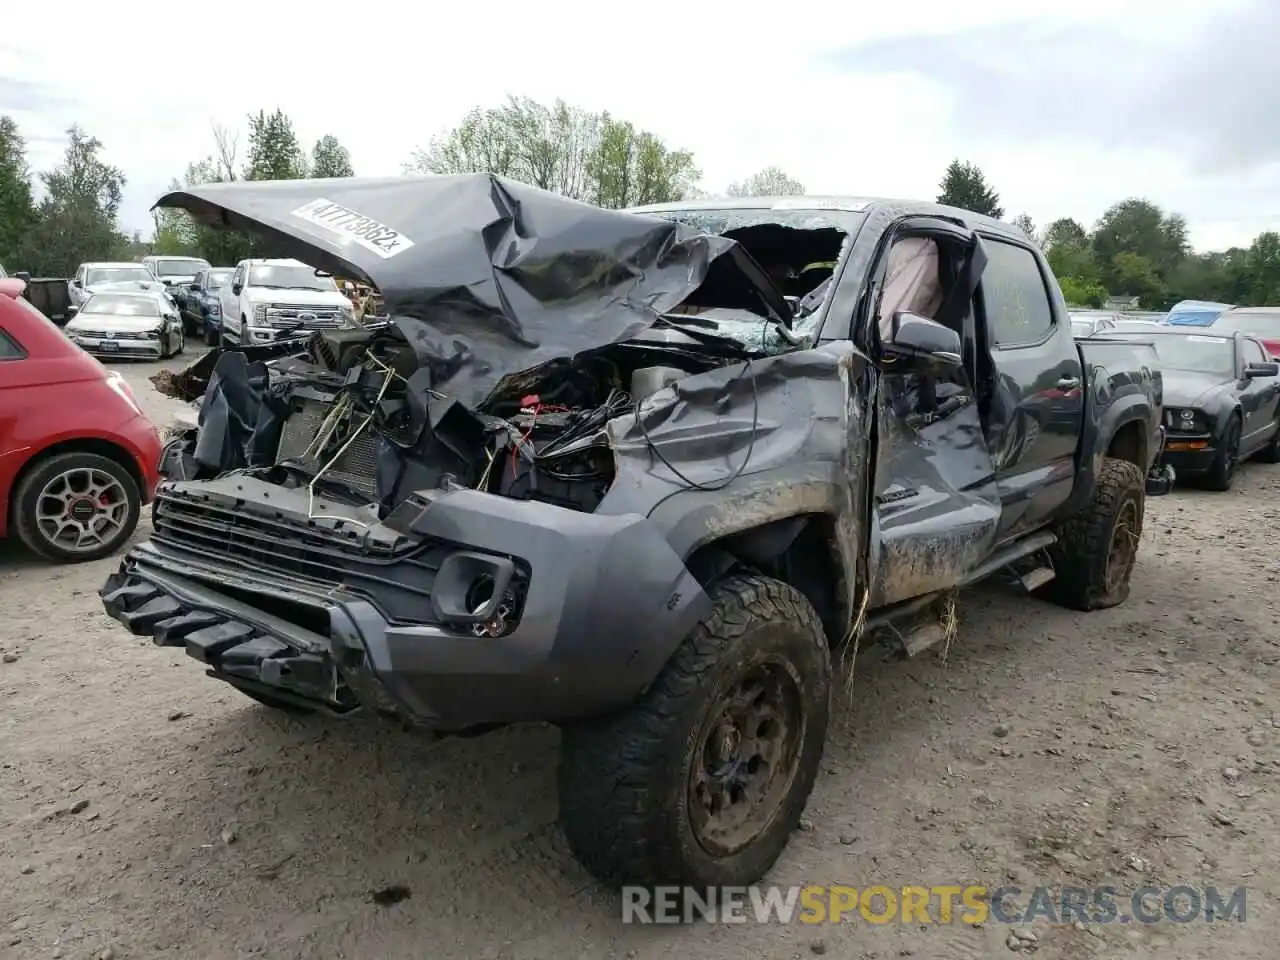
{"x": 141, "y": 324}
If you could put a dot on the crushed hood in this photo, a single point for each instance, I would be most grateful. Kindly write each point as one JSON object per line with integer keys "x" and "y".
{"x": 486, "y": 276}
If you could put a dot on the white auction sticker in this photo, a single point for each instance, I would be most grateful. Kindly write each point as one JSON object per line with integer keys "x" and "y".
{"x": 1196, "y": 338}
{"x": 349, "y": 225}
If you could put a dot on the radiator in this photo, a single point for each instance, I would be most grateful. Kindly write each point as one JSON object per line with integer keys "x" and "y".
{"x": 356, "y": 468}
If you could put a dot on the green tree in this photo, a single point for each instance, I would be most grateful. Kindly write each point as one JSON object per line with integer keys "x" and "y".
{"x": 562, "y": 148}
{"x": 274, "y": 150}
{"x": 176, "y": 234}
{"x": 1070, "y": 256}
{"x": 965, "y": 186}
{"x": 1082, "y": 293}
{"x": 329, "y": 158}
{"x": 17, "y": 210}
{"x": 1065, "y": 231}
{"x": 219, "y": 247}
{"x": 1207, "y": 276}
{"x": 769, "y": 182}
{"x": 1141, "y": 228}
{"x": 1024, "y": 223}
{"x": 1136, "y": 276}
{"x": 78, "y": 214}
{"x": 630, "y": 167}
{"x": 1261, "y": 271}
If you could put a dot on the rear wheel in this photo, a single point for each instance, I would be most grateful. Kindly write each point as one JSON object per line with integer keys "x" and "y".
{"x": 75, "y": 507}
{"x": 1227, "y": 463}
{"x": 703, "y": 780}
{"x": 1098, "y": 547}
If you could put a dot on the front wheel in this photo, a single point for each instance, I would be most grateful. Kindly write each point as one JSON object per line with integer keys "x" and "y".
{"x": 1227, "y": 463}
{"x": 703, "y": 780}
{"x": 1097, "y": 548}
{"x": 212, "y": 334}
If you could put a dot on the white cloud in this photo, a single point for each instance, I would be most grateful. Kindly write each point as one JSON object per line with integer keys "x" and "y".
{"x": 742, "y": 87}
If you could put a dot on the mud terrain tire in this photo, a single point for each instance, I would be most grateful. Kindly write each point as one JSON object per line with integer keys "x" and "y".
{"x": 634, "y": 786}
{"x": 1097, "y": 547}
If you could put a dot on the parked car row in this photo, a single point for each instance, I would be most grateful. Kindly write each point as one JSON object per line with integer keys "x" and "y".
{"x": 258, "y": 301}
{"x": 1221, "y": 393}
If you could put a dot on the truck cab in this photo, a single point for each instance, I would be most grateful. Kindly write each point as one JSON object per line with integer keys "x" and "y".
{"x": 267, "y": 299}
{"x": 201, "y": 305}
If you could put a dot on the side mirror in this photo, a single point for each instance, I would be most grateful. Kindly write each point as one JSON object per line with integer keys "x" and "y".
{"x": 917, "y": 338}
{"x": 76, "y": 284}
{"x": 72, "y": 309}
{"x": 236, "y": 288}
{"x": 1262, "y": 370}
{"x": 23, "y": 275}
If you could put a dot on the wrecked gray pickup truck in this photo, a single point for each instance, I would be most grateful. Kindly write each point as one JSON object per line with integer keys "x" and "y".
{"x": 638, "y": 474}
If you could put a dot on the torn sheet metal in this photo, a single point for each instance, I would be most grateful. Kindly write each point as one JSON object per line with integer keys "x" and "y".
{"x": 486, "y": 276}
{"x": 937, "y": 509}
{"x": 241, "y": 416}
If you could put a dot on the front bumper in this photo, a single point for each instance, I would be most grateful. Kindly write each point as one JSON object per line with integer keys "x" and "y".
{"x": 106, "y": 349}
{"x": 1191, "y": 453}
{"x": 606, "y": 603}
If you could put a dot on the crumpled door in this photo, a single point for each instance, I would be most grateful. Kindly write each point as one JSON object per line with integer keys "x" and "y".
{"x": 936, "y": 509}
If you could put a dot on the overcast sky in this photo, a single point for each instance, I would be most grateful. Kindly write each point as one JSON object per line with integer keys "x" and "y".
{"x": 1066, "y": 107}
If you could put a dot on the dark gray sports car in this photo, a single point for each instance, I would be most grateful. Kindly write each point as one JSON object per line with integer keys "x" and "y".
{"x": 1221, "y": 400}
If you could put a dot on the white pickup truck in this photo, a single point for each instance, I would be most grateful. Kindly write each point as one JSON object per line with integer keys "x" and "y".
{"x": 269, "y": 298}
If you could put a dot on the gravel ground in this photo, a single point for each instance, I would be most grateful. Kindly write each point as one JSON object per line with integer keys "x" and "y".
{"x": 148, "y": 811}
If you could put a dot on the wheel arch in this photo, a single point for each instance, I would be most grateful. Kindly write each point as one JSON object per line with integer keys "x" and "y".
{"x": 801, "y": 549}
{"x": 1129, "y": 442}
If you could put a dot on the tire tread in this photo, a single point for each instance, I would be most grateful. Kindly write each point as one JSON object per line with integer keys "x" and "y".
{"x": 612, "y": 769}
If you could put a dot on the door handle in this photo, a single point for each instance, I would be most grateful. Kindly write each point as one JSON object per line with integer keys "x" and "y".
{"x": 1068, "y": 383}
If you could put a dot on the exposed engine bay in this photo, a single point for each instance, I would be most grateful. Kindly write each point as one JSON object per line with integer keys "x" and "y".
{"x": 354, "y": 417}
{"x": 351, "y": 421}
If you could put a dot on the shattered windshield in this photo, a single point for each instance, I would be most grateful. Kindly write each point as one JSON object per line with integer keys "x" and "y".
{"x": 285, "y": 276}
{"x": 724, "y": 221}
{"x": 798, "y": 248}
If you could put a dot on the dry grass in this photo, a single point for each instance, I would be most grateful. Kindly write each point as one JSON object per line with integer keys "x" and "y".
{"x": 950, "y": 621}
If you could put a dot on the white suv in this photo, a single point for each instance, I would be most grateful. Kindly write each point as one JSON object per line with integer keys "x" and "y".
{"x": 269, "y": 298}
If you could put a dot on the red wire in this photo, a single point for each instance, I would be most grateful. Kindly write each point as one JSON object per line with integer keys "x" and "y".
{"x": 525, "y": 438}
{"x": 536, "y": 408}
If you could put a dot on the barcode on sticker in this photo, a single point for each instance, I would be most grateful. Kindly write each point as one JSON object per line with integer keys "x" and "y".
{"x": 350, "y": 225}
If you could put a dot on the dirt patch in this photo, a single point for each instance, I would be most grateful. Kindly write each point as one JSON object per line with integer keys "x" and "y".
{"x": 147, "y": 811}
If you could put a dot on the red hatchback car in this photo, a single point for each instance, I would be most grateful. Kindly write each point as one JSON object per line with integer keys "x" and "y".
{"x": 78, "y": 459}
